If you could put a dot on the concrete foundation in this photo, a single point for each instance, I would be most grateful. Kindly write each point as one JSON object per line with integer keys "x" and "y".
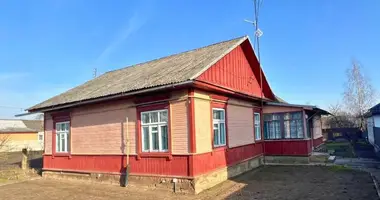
{"x": 211, "y": 179}
{"x": 287, "y": 159}
{"x": 183, "y": 185}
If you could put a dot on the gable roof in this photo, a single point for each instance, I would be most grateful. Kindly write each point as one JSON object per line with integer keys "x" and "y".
{"x": 177, "y": 68}
{"x": 20, "y": 126}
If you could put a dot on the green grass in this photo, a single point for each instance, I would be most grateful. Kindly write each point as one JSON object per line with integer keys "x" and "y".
{"x": 344, "y": 149}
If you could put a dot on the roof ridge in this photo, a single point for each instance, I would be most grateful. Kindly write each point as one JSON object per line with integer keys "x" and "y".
{"x": 171, "y": 55}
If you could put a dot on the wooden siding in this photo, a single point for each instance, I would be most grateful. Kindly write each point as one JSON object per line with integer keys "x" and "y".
{"x": 288, "y": 147}
{"x": 317, "y": 127}
{"x": 178, "y": 166}
{"x": 317, "y": 142}
{"x": 48, "y": 134}
{"x": 208, "y": 162}
{"x": 240, "y": 125}
{"x": 179, "y": 127}
{"x": 235, "y": 72}
{"x": 280, "y": 109}
{"x": 101, "y": 128}
{"x": 202, "y": 111}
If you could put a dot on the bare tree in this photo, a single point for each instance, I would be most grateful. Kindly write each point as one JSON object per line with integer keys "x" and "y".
{"x": 359, "y": 95}
{"x": 339, "y": 118}
{"x": 4, "y": 142}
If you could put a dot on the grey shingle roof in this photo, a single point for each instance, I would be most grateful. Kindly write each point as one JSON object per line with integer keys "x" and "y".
{"x": 21, "y": 126}
{"x": 172, "y": 69}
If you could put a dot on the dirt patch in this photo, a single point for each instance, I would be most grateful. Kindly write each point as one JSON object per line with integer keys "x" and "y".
{"x": 271, "y": 182}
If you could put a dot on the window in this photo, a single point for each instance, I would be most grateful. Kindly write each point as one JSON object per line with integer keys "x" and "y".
{"x": 154, "y": 130}
{"x": 62, "y": 130}
{"x": 293, "y": 125}
{"x": 284, "y": 125}
{"x": 257, "y": 126}
{"x": 41, "y": 137}
{"x": 272, "y": 127}
{"x": 219, "y": 127}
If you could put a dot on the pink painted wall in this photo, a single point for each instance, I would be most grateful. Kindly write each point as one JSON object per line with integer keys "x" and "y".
{"x": 240, "y": 125}
{"x": 100, "y": 129}
{"x": 278, "y": 109}
{"x": 48, "y": 134}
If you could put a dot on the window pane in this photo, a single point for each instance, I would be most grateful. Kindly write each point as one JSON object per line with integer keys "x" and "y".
{"x": 164, "y": 137}
{"x": 277, "y": 129}
{"x": 293, "y": 129}
{"x": 267, "y": 117}
{"x": 218, "y": 114}
{"x": 296, "y": 115}
{"x": 258, "y": 133}
{"x": 58, "y": 140}
{"x": 63, "y": 142}
{"x": 287, "y": 129}
{"x": 286, "y": 116}
{"x": 163, "y": 116}
{"x": 154, "y": 128}
{"x": 257, "y": 118}
{"x": 222, "y": 133}
{"x": 155, "y": 141}
{"x": 266, "y": 130}
{"x": 145, "y": 118}
{"x": 66, "y": 126}
{"x": 58, "y": 127}
{"x": 153, "y": 117}
{"x": 299, "y": 129}
{"x": 216, "y": 135}
{"x": 145, "y": 138}
{"x": 276, "y": 117}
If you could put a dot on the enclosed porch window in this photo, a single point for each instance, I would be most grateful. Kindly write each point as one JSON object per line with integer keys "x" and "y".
{"x": 288, "y": 125}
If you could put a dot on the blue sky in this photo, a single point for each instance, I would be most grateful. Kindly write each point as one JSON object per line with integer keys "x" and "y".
{"x": 48, "y": 47}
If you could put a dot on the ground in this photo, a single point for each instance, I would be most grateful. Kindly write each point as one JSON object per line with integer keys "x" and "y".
{"x": 270, "y": 182}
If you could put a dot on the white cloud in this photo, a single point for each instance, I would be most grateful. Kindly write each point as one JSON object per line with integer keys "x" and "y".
{"x": 133, "y": 25}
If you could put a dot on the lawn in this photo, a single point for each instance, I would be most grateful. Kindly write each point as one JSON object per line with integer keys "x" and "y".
{"x": 270, "y": 182}
{"x": 343, "y": 149}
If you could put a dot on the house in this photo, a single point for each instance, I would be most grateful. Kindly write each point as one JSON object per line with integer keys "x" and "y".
{"x": 16, "y": 134}
{"x": 373, "y": 127}
{"x": 196, "y": 116}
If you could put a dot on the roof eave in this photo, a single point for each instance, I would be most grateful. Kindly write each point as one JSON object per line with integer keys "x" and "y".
{"x": 105, "y": 98}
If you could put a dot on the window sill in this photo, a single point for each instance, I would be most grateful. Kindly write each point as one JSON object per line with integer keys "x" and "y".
{"x": 287, "y": 139}
{"x": 61, "y": 155}
{"x": 167, "y": 155}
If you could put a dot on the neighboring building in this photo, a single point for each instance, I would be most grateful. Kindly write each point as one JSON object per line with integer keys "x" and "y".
{"x": 373, "y": 127}
{"x": 16, "y": 134}
{"x": 196, "y": 116}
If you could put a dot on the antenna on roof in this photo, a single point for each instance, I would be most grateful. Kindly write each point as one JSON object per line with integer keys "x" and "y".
{"x": 94, "y": 73}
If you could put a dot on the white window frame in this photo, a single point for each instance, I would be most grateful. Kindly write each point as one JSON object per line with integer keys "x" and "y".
{"x": 219, "y": 122}
{"x": 62, "y": 133}
{"x": 154, "y": 124}
{"x": 257, "y": 125}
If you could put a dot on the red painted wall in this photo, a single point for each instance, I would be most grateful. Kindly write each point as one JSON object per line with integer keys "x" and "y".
{"x": 225, "y": 157}
{"x": 317, "y": 142}
{"x": 178, "y": 166}
{"x": 233, "y": 71}
{"x": 288, "y": 147}
{"x": 239, "y": 70}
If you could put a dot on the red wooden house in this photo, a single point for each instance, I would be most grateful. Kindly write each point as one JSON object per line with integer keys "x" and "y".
{"x": 201, "y": 116}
